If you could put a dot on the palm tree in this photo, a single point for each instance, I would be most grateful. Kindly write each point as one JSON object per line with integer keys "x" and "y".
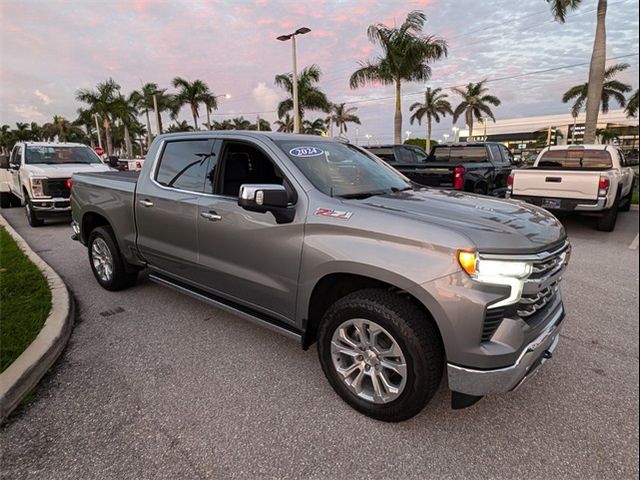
{"x": 474, "y": 104}
{"x": 406, "y": 54}
{"x": 102, "y": 102}
{"x": 340, "y": 116}
{"x": 241, "y": 123}
{"x": 310, "y": 97}
{"x": 60, "y": 127}
{"x": 607, "y": 135}
{"x": 434, "y": 106}
{"x": 285, "y": 124}
{"x": 632, "y": 105}
{"x": 611, "y": 89}
{"x": 85, "y": 119}
{"x": 317, "y": 127}
{"x": 559, "y": 9}
{"x": 182, "y": 126}
{"x": 192, "y": 94}
{"x": 126, "y": 112}
{"x": 142, "y": 100}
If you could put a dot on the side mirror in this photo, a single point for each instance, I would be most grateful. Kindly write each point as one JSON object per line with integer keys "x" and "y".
{"x": 266, "y": 198}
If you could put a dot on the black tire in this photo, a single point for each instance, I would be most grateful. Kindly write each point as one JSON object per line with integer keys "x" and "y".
{"x": 122, "y": 276}
{"x": 417, "y": 337}
{"x": 625, "y": 205}
{"x": 607, "y": 221}
{"x": 481, "y": 189}
{"x": 14, "y": 201}
{"x": 32, "y": 218}
{"x": 5, "y": 199}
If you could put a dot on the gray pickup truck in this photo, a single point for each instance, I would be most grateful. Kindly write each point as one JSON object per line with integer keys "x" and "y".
{"x": 324, "y": 242}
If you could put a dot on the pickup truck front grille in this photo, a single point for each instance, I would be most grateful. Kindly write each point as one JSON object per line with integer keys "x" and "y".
{"x": 56, "y": 188}
{"x": 542, "y": 285}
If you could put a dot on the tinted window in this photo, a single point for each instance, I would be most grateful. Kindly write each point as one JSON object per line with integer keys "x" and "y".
{"x": 384, "y": 153}
{"x": 51, "y": 155}
{"x": 579, "y": 158}
{"x": 405, "y": 155}
{"x": 506, "y": 154}
{"x": 496, "y": 154}
{"x": 15, "y": 158}
{"x": 184, "y": 165}
{"x": 244, "y": 163}
{"x": 420, "y": 154}
{"x": 459, "y": 154}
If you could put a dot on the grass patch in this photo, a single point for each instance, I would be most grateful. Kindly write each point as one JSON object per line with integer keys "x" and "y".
{"x": 25, "y": 300}
{"x": 634, "y": 199}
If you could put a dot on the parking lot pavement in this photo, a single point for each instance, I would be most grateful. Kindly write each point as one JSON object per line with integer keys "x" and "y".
{"x": 157, "y": 385}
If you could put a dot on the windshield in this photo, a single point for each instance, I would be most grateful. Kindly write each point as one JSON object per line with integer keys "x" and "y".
{"x": 59, "y": 155}
{"x": 581, "y": 158}
{"x": 342, "y": 170}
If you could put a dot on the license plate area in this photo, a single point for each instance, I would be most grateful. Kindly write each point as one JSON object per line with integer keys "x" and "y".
{"x": 553, "y": 203}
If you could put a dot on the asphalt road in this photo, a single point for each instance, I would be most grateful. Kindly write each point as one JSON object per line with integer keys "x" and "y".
{"x": 154, "y": 384}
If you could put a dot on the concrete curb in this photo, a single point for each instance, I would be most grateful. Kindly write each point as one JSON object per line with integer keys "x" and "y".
{"x": 27, "y": 370}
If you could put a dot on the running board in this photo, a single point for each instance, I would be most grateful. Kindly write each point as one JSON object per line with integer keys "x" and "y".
{"x": 258, "y": 319}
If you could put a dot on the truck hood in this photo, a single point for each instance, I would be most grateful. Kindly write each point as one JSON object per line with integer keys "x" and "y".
{"x": 493, "y": 225}
{"x": 64, "y": 171}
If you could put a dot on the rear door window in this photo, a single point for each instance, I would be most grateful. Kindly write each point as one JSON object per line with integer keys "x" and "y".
{"x": 575, "y": 159}
{"x": 184, "y": 164}
{"x": 507, "y": 156}
{"x": 405, "y": 155}
{"x": 460, "y": 154}
{"x": 496, "y": 154}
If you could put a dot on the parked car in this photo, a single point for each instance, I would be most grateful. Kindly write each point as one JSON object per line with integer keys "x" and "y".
{"x": 321, "y": 241}
{"x": 473, "y": 167}
{"x": 37, "y": 175}
{"x": 578, "y": 178}
{"x": 125, "y": 164}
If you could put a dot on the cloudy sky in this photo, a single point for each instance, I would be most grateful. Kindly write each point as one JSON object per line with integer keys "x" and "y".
{"x": 50, "y": 49}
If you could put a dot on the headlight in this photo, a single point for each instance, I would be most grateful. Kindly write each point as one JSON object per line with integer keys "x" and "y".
{"x": 37, "y": 188}
{"x": 496, "y": 272}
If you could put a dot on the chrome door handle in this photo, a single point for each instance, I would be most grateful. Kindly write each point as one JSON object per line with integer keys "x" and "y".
{"x": 213, "y": 217}
{"x": 146, "y": 203}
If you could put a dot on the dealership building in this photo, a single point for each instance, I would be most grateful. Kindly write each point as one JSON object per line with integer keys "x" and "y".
{"x": 527, "y": 135}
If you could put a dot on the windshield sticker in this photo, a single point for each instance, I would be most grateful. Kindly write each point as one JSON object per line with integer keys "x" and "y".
{"x": 304, "y": 152}
{"x": 329, "y": 212}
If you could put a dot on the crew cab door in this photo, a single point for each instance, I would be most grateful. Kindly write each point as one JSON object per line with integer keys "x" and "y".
{"x": 166, "y": 208}
{"x": 502, "y": 162}
{"x": 245, "y": 256}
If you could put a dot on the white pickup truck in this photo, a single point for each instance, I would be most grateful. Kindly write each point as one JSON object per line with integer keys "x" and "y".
{"x": 578, "y": 178}
{"x": 38, "y": 176}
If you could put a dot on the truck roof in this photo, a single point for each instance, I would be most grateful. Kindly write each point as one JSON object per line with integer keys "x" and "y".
{"x": 252, "y": 133}
{"x": 588, "y": 146}
{"x": 54, "y": 144}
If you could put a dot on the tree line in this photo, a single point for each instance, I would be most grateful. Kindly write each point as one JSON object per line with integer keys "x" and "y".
{"x": 406, "y": 56}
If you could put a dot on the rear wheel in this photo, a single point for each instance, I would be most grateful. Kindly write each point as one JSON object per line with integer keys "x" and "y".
{"x": 5, "y": 199}
{"x": 381, "y": 354}
{"x": 108, "y": 266}
{"x": 32, "y": 218}
{"x": 625, "y": 206}
{"x": 607, "y": 221}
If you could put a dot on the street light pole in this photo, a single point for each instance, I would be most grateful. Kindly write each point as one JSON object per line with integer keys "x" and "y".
{"x": 95, "y": 115}
{"x": 294, "y": 77}
{"x": 455, "y": 134}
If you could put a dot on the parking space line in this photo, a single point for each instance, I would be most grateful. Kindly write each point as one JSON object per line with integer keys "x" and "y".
{"x": 634, "y": 244}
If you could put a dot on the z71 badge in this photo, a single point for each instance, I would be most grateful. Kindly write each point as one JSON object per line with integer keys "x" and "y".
{"x": 328, "y": 212}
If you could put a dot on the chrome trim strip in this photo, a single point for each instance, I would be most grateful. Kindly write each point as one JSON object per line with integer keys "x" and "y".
{"x": 224, "y": 306}
{"x": 602, "y": 202}
{"x": 536, "y": 257}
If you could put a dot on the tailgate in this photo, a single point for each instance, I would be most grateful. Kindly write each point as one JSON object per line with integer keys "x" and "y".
{"x": 433, "y": 175}
{"x": 556, "y": 183}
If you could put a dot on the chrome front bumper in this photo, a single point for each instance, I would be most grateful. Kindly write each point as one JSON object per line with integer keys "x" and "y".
{"x": 55, "y": 204}
{"x": 484, "y": 382}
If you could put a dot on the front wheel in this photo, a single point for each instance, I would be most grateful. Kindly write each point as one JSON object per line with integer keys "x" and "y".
{"x": 107, "y": 264}
{"x": 32, "y": 218}
{"x": 381, "y": 354}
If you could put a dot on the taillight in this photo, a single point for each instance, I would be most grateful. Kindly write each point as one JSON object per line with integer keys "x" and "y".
{"x": 603, "y": 186}
{"x": 510, "y": 180}
{"x": 458, "y": 178}
{"x": 69, "y": 183}
{"x": 138, "y": 165}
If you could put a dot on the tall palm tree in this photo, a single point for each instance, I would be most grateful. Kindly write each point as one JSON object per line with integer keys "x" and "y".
{"x": 406, "y": 54}
{"x": 611, "y": 89}
{"x": 85, "y": 119}
{"x": 102, "y": 102}
{"x": 559, "y": 9}
{"x": 316, "y": 127}
{"x": 126, "y": 112}
{"x": 241, "y": 123}
{"x": 474, "y": 103}
{"x": 285, "y": 123}
{"x": 310, "y": 97}
{"x": 143, "y": 101}
{"x": 341, "y": 115}
{"x": 192, "y": 94}
{"x": 61, "y": 128}
{"x": 434, "y": 106}
{"x": 632, "y": 105}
